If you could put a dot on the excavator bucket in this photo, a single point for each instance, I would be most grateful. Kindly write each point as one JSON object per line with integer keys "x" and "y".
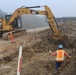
{"x": 63, "y": 39}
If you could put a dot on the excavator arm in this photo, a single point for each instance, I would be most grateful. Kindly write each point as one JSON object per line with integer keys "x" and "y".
{"x": 20, "y": 11}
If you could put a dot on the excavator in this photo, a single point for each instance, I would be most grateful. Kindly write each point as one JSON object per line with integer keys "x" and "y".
{"x": 10, "y": 23}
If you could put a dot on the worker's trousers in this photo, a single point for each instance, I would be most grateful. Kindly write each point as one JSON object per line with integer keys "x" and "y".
{"x": 58, "y": 64}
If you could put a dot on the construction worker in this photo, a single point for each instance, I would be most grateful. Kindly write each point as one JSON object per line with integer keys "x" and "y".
{"x": 60, "y": 53}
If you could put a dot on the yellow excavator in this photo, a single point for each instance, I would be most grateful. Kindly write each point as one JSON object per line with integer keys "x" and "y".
{"x": 10, "y": 22}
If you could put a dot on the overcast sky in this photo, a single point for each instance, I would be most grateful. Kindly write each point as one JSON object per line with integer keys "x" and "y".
{"x": 60, "y": 8}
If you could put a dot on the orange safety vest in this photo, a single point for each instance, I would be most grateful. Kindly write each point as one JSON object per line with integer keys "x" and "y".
{"x": 60, "y": 55}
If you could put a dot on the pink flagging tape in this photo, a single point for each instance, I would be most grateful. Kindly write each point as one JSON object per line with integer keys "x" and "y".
{"x": 19, "y": 61}
{"x": 19, "y": 69}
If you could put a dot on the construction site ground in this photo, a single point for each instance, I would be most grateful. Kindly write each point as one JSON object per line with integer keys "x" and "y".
{"x": 35, "y": 56}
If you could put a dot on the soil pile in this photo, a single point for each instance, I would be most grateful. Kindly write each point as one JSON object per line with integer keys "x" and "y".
{"x": 36, "y": 59}
{"x": 69, "y": 28}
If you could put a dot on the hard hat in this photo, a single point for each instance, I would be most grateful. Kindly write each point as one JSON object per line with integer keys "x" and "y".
{"x": 60, "y": 46}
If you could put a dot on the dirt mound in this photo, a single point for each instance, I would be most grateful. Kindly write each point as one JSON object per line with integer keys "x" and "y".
{"x": 69, "y": 28}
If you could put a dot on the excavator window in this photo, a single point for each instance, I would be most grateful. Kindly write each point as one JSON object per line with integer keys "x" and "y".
{"x": 0, "y": 25}
{"x": 0, "y": 16}
{"x": 17, "y": 23}
{"x": 7, "y": 17}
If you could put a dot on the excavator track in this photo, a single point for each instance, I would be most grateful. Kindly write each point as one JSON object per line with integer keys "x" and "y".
{"x": 6, "y": 36}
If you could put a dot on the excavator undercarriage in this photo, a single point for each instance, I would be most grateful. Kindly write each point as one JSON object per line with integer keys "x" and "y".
{"x": 16, "y": 33}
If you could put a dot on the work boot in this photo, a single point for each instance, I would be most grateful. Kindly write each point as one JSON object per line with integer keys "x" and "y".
{"x": 57, "y": 71}
{"x": 59, "y": 68}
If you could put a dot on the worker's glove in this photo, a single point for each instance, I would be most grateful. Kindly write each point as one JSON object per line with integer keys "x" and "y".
{"x": 69, "y": 57}
{"x": 50, "y": 51}
{"x": 73, "y": 49}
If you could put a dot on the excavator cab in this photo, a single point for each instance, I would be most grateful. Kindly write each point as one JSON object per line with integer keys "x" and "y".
{"x": 7, "y": 17}
{"x": 16, "y": 23}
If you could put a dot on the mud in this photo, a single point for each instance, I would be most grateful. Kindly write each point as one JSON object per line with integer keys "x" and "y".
{"x": 35, "y": 58}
